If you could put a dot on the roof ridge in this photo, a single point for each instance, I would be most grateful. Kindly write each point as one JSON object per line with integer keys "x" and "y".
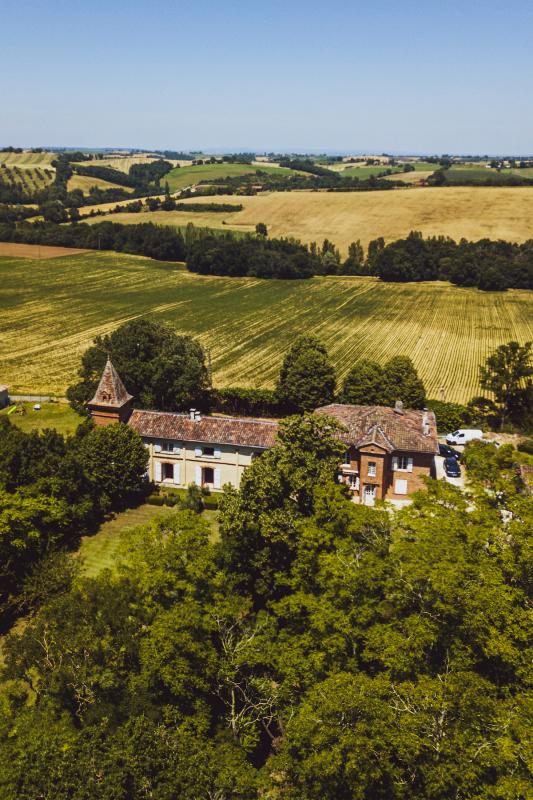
{"x": 185, "y": 415}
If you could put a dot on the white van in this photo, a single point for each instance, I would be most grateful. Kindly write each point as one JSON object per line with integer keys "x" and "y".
{"x": 463, "y": 435}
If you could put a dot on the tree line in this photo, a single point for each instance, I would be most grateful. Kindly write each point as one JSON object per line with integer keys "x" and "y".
{"x": 146, "y": 239}
{"x": 444, "y": 177}
{"x": 318, "y": 178}
{"x": 488, "y": 265}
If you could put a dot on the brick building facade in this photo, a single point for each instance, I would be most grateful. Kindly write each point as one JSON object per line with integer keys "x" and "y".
{"x": 388, "y": 450}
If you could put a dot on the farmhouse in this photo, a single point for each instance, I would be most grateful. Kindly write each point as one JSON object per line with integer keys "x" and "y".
{"x": 388, "y": 450}
{"x": 388, "y": 453}
{"x": 208, "y": 451}
{"x": 185, "y": 448}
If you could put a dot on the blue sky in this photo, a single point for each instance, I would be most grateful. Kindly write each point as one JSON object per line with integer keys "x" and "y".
{"x": 434, "y": 76}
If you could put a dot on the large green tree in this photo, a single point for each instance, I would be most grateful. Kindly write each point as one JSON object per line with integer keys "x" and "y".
{"x": 162, "y": 370}
{"x": 307, "y": 378}
{"x": 402, "y": 382}
{"x": 506, "y": 374}
{"x": 363, "y": 385}
{"x": 114, "y": 460}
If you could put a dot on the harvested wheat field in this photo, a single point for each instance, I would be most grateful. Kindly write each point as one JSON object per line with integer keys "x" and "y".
{"x": 174, "y": 219}
{"x": 27, "y": 159}
{"x": 123, "y": 163}
{"x": 472, "y": 212}
{"x": 50, "y": 312}
{"x": 84, "y": 182}
{"x": 36, "y": 251}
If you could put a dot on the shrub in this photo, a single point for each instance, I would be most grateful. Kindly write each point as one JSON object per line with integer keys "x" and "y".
{"x": 155, "y": 500}
{"x": 526, "y": 446}
{"x": 451, "y": 416}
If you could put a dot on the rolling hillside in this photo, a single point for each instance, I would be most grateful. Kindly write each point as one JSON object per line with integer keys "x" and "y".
{"x": 52, "y": 309}
{"x": 342, "y": 217}
{"x": 185, "y": 176}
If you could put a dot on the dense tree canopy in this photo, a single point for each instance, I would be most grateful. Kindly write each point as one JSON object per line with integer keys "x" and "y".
{"x": 363, "y": 385}
{"x": 257, "y": 257}
{"x": 507, "y": 375}
{"x": 307, "y": 378}
{"x": 489, "y": 265}
{"x": 162, "y": 370}
{"x": 321, "y": 650}
{"x": 368, "y": 383}
{"x": 52, "y": 490}
{"x": 401, "y": 382}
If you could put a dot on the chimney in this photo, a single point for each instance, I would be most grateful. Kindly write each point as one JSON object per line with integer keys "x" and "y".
{"x": 425, "y": 424}
{"x": 192, "y": 414}
{"x": 197, "y": 416}
{"x": 398, "y": 407}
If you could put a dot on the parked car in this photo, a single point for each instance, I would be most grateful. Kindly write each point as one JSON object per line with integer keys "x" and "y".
{"x": 464, "y": 435}
{"x": 452, "y": 468}
{"x": 448, "y": 452}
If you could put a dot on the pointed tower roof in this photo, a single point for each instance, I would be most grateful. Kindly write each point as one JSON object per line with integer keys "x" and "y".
{"x": 111, "y": 391}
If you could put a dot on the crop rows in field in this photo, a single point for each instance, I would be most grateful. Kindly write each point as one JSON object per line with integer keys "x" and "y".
{"x": 27, "y": 159}
{"x": 31, "y": 179}
{"x": 85, "y": 182}
{"x": 51, "y": 311}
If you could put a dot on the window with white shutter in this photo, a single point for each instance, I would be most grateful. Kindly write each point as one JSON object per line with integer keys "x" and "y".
{"x": 401, "y": 463}
{"x": 198, "y": 476}
{"x": 216, "y": 482}
{"x": 198, "y": 452}
{"x": 400, "y": 486}
{"x": 157, "y": 472}
{"x": 217, "y": 453}
{"x": 409, "y": 465}
{"x": 177, "y": 474}
{"x": 157, "y": 447}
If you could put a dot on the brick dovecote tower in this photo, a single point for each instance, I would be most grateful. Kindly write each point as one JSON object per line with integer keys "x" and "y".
{"x": 111, "y": 402}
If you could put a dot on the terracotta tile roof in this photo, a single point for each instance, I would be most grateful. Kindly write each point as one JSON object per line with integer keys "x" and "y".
{"x": 385, "y": 427}
{"x": 211, "y": 430}
{"x": 111, "y": 391}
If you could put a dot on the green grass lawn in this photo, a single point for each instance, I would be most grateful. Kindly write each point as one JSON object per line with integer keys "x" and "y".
{"x": 98, "y": 551}
{"x": 180, "y": 177}
{"x": 52, "y": 415}
{"x": 363, "y": 172}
